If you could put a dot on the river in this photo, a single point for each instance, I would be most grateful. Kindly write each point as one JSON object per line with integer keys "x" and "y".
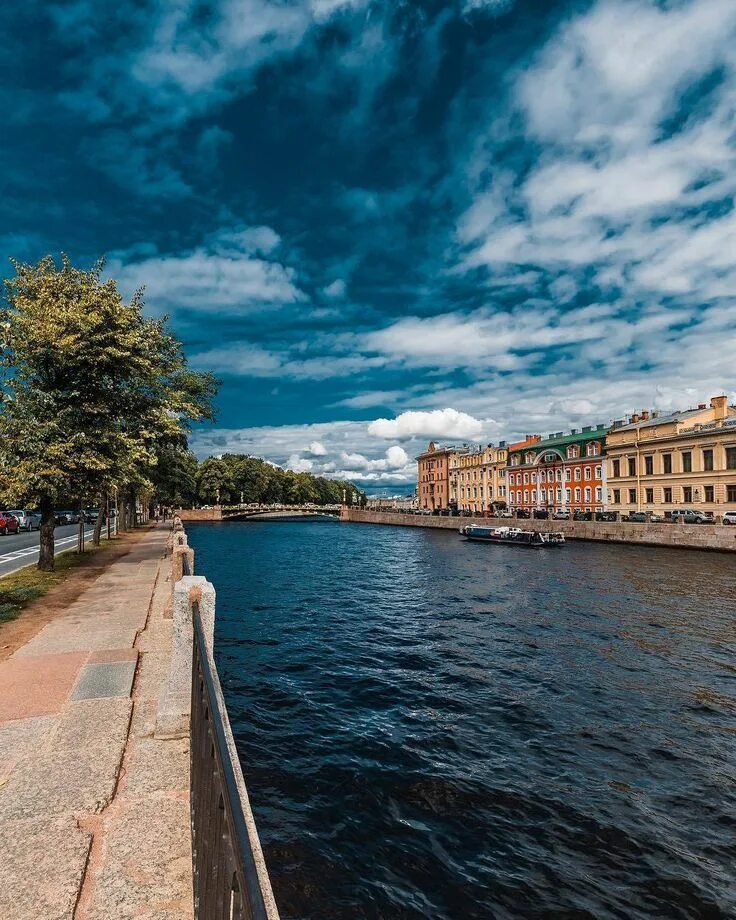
{"x": 436, "y": 729}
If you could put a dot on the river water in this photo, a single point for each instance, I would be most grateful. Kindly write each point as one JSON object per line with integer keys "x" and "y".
{"x": 433, "y": 728}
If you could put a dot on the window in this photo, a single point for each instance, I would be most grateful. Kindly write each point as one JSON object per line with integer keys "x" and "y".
{"x": 666, "y": 463}
{"x": 687, "y": 494}
{"x": 577, "y": 474}
{"x": 687, "y": 461}
{"x": 573, "y": 452}
{"x": 667, "y": 496}
{"x": 731, "y": 458}
{"x": 534, "y": 495}
{"x": 707, "y": 459}
{"x": 534, "y": 477}
{"x": 708, "y": 493}
{"x": 550, "y": 458}
{"x": 588, "y": 493}
{"x": 632, "y": 466}
{"x": 616, "y": 469}
{"x": 599, "y": 494}
{"x": 577, "y": 494}
{"x": 559, "y": 475}
{"x": 526, "y": 479}
{"x": 568, "y": 475}
{"x": 649, "y": 496}
{"x": 649, "y": 466}
{"x": 632, "y": 496}
{"x": 599, "y": 472}
{"x": 568, "y": 495}
{"x": 529, "y": 458}
{"x": 526, "y": 496}
{"x": 617, "y": 496}
{"x": 731, "y": 494}
{"x": 593, "y": 449}
{"x": 587, "y": 472}
{"x": 559, "y": 496}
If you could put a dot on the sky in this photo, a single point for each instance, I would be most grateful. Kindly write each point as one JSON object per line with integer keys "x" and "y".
{"x": 381, "y": 223}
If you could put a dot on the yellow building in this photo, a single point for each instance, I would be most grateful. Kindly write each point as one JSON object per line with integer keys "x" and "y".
{"x": 478, "y": 478}
{"x": 682, "y": 460}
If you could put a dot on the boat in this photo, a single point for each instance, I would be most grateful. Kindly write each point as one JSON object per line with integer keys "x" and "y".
{"x": 512, "y": 535}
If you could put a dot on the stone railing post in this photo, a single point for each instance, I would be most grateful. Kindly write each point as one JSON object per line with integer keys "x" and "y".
{"x": 174, "y": 708}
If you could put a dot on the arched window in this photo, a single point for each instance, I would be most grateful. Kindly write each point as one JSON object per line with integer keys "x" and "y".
{"x": 559, "y": 475}
{"x": 573, "y": 451}
{"x": 587, "y": 472}
{"x": 587, "y": 493}
{"x": 568, "y": 495}
{"x": 577, "y": 494}
{"x": 594, "y": 448}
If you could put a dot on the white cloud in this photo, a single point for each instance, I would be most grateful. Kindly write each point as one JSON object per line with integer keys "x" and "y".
{"x": 439, "y": 423}
{"x": 336, "y": 290}
{"x": 224, "y": 274}
{"x": 317, "y": 449}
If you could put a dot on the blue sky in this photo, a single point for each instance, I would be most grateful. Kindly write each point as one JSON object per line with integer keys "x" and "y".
{"x": 384, "y": 222}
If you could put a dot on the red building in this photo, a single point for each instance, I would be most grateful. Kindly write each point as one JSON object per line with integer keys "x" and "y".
{"x": 563, "y": 471}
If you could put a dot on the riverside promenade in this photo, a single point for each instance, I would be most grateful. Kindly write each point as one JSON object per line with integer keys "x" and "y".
{"x": 676, "y": 536}
{"x": 94, "y": 807}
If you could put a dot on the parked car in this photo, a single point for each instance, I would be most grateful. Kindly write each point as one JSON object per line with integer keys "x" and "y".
{"x": 504, "y": 513}
{"x": 637, "y": 517}
{"x": 91, "y": 515}
{"x": 582, "y": 515}
{"x": 730, "y": 518}
{"x": 523, "y": 513}
{"x": 27, "y": 519}
{"x": 606, "y": 516}
{"x": 541, "y": 513}
{"x": 561, "y": 514}
{"x": 691, "y": 516}
{"x": 8, "y": 523}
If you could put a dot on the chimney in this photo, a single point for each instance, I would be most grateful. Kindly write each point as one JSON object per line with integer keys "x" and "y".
{"x": 645, "y": 415}
{"x": 702, "y": 406}
{"x": 720, "y": 406}
{"x": 634, "y": 418}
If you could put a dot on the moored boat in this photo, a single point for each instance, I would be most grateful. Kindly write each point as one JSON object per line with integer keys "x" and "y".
{"x": 513, "y": 536}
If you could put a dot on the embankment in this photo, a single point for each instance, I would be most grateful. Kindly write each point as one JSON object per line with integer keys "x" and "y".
{"x": 676, "y": 536}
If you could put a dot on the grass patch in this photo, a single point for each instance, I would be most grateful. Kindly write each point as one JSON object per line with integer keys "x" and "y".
{"x": 27, "y": 585}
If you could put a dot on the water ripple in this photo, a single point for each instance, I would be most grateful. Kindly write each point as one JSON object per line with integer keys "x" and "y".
{"x": 430, "y": 728}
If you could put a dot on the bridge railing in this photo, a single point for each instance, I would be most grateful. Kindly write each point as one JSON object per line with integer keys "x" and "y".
{"x": 229, "y": 872}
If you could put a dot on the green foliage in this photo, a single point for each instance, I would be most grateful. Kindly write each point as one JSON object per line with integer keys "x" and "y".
{"x": 93, "y": 393}
{"x": 233, "y": 476}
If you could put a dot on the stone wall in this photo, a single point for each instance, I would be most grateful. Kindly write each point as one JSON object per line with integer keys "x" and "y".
{"x": 683, "y": 536}
{"x": 200, "y": 514}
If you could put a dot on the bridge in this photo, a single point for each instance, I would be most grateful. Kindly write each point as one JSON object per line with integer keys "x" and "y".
{"x": 261, "y": 513}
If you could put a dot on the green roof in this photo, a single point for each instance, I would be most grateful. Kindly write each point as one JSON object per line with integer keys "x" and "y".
{"x": 580, "y": 437}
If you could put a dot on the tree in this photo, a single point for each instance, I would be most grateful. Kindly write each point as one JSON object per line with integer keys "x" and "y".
{"x": 89, "y": 388}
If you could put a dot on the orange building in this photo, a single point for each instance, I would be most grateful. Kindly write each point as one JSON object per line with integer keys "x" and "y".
{"x": 433, "y": 486}
{"x": 563, "y": 471}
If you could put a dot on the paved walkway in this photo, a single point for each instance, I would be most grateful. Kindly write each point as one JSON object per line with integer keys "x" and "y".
{"x": 94, "y": 811}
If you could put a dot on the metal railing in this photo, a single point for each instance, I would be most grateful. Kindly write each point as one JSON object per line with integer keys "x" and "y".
{"x": 230, "y": 877}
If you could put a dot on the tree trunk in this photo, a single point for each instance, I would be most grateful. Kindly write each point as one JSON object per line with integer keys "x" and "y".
{"x": 103, "y": 510}
{"x": 46, "y": 535}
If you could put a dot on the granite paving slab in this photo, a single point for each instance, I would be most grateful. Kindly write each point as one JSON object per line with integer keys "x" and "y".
{"x": 108, "y": 678}
{"x": 78, "y": 640}
{"x": 145, "y": 874}
{"x": 37, "y": 685}
{"x": 42, "y": 863}
{"x": 57, "y": 782}
{"x": 87, "y": 723}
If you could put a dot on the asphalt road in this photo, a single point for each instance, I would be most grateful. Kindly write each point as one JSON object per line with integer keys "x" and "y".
{"x": 21, "y": 550}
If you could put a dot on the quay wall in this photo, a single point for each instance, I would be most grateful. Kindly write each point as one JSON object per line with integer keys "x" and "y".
{"x": 200, "y": 514}
{"x": 676, "y": 536}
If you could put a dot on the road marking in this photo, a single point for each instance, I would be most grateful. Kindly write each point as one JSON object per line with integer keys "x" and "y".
{"x": 17, "y": 554}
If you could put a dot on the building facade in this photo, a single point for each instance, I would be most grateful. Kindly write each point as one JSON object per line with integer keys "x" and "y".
{"x": 563, "y": 471}
{"x": 478, "y": 478}
{"x": 433, "y": 477}
{"x": 684, "y": 459}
